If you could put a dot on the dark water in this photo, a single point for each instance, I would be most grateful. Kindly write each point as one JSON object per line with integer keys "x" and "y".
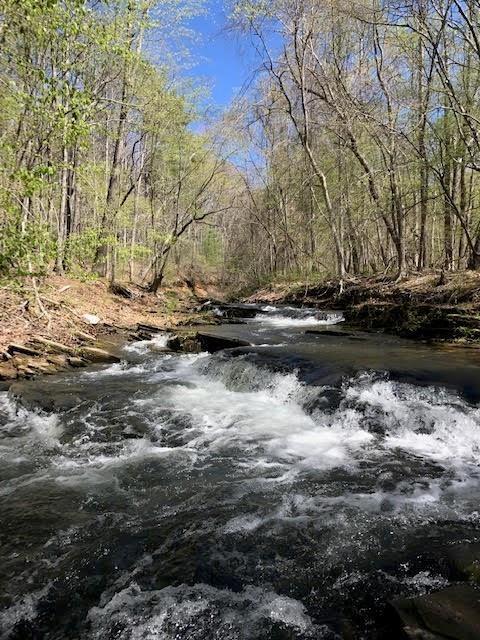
{"x": 283, "y": 491}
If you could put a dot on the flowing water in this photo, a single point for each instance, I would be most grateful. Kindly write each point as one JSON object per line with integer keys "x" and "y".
{"x": 288, "y": 490}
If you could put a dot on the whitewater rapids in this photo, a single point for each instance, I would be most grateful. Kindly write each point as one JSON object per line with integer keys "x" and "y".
{"x": 225, "y": 497}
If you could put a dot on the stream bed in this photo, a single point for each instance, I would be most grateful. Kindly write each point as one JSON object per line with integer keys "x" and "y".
{"x": 286, "y": 490}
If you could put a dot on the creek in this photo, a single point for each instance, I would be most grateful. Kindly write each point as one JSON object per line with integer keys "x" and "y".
{"x": 286, "y": 490}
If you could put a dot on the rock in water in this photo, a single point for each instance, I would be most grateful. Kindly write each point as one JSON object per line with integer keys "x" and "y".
{"x": 174, "y": 343}
{"x": 452, "y": 613}
{"x": 212, "y": 342}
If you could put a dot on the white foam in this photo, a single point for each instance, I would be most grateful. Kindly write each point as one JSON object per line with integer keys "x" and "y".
{"x": 139, "y": 347}
{"x": 40, "y": 428}
{"x": 161, "y": 339}
{"x": 235, "y": 406}
{"x": 425, "y": 422}
{"x": 279, "y": 320}
{"x": 24, "y": 609}
{"x": 142, "y": 347}
{"x": 238, "y": 407}
{"x": 165, "y": 614}
{"x": 290, "y": 317}
{"x": 115, "y": 369}
{"x": 260, "y": 420}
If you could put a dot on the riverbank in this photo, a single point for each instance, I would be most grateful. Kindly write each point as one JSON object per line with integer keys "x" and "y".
{"x": 69, "y": 323}
{"x": 435, "y": 306}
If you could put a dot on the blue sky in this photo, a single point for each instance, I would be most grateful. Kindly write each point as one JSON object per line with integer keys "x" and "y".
{"x": 222, "y": 56}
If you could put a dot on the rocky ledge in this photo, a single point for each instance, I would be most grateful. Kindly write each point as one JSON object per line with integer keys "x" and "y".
{"x": 44, "y": 356}
{"x": 40, "y": 355}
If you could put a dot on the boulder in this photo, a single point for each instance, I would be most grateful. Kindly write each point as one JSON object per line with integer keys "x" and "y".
{"x": 41, "y": 366}
{"x": 25, "y": 371}
{"x": 237, "y": 310}
{"x": 174, "y": 343}
{"x": 452, "y": 613}
{"x": 187, "y": 343}
{"x": 190, "y": 344}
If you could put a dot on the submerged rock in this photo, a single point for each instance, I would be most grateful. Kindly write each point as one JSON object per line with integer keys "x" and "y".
{"x": 453, "y": 613}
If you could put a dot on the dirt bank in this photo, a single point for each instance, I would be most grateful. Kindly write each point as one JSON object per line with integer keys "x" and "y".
{"x": 68, "y": 323}
{"x": 434, "y": 306}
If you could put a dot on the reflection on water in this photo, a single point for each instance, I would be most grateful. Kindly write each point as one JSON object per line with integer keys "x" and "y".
{"x": 271, "y": 492}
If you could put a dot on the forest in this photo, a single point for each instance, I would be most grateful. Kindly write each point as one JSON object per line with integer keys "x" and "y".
{"x": 354, "y": 148}
{"x": 239, "y": 319}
